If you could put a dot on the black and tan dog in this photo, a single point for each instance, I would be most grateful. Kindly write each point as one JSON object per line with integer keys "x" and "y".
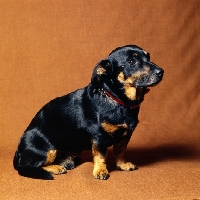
{"x": 102, "y": 114}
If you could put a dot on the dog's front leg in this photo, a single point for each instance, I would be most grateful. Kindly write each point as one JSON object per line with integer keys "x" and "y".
{"x": 118, "y": 151}
{"x": 99, "y": 156}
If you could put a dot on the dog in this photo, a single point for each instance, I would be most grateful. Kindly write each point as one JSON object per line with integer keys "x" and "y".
{"x": 103, "y": 114}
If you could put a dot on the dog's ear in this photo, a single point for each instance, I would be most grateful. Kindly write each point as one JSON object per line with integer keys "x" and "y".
{"x": 102, "y": 70}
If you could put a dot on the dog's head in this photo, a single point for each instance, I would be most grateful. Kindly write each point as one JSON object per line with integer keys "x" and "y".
{"x": 127, "y": 73}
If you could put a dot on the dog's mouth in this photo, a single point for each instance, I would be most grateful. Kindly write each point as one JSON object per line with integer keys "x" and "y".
{"x": 146, "y": 90}
{"x": 142, "y": 90}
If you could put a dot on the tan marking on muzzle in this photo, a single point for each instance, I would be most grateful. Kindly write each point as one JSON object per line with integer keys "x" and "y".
{"x": 120, "y": 77}
{"x": 130, "y": 90}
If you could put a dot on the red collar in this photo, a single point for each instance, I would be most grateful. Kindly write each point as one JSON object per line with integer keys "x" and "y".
{"x": 120, "y": 102}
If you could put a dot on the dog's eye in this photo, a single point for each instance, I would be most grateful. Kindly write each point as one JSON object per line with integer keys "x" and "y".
{"x": 132, "y": 61}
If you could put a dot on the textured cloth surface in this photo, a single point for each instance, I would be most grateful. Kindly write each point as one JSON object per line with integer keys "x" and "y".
{"x": 49, "y": 48}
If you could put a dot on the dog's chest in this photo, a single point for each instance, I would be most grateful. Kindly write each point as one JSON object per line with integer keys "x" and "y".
{"x": 120, "y": 122}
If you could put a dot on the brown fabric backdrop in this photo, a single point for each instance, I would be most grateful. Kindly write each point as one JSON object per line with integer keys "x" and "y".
{"x": 49, "y": 48}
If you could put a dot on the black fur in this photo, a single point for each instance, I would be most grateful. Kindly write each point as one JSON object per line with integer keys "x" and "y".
{"x": 73, "y": 123}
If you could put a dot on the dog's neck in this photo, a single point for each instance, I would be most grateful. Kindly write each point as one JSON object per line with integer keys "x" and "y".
{"x": 121, "y": 102}
{"x": 118, "y": 98}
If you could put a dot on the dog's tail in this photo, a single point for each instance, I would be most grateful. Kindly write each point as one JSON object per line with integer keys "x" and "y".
{"x": 34, "y": 172}
{"x": 31, "y": 171}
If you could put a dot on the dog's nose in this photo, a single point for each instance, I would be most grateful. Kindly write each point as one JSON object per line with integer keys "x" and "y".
{"x": 159, "y": 72}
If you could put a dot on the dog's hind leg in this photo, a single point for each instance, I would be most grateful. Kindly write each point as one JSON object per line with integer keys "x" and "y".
{"x": 28, "y": 164}
{"x": 48, "y": 166}
{"x": 35, "y": 155}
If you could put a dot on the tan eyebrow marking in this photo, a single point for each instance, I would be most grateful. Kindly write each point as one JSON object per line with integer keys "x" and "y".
{"x": 134, "y": 54}
{"x": 145, "y": 52}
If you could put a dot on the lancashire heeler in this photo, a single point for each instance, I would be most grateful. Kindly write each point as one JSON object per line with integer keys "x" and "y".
{"x": 102, "y": 114}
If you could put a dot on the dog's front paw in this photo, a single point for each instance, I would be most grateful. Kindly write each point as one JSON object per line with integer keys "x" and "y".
{"x": 101, "y": 174}
{"x": 127, "y": 166}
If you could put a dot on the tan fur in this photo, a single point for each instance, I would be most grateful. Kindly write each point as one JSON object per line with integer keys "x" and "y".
{"x": 126, "y": 166}
{"x": 111, "y": 128}
{"x": 145, "y": 52}
{"x": 121, "y": 77}
{"x": 134, "y": 77}
{"x": 119, "y": 150}
{"x": 130, "y": 90}
{"x": 135, "y": 54}
{"x": 100, "y": 169}
{"x": 100, "y": 70}
{"x": 55, "y": 169}
{"x": 51, "y": 155}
